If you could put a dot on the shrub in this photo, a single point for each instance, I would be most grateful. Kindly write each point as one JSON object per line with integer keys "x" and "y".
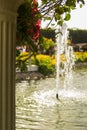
{"x": 45, "y": 63}
{"x": 47, "y": 46}
{"x": 80, "y": 57}
{"x": 21, "y": 61}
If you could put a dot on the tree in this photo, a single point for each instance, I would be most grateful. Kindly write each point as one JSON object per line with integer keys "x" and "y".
{"x": 58, "y": 10}
{"x": 78, "y": 36}
{"x": 29, "y": 15}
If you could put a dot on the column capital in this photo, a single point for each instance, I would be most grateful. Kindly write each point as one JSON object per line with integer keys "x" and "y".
{"x": 7, "y": 15}
{"x": 10, "y": 5}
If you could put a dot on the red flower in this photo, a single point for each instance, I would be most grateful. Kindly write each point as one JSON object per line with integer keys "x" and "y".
{"x": 36, "y": 35}
{"x": 34, "y": 10}
{"x": 34, "y": 31}
{"x": 38, "y": 23}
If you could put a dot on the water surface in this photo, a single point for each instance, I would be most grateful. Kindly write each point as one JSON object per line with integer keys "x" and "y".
{"x": 38, "y": 109}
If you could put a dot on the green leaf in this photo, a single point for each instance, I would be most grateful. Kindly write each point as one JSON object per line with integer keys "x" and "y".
{"x": 57, "y": 16}
{"x": 60, "y": 22}
{"x": 66, "y": 8}
{"x": 72, "y": 7}
{"x": 67, "y": 17}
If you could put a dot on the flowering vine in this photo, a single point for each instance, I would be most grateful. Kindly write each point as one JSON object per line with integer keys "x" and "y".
{"x": 28, "y": 24}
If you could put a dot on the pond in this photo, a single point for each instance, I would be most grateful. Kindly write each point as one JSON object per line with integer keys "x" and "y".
{"x": 38, "y": 109}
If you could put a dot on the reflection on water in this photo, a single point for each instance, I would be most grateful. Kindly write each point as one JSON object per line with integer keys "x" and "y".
{"x": 38, "y": 109}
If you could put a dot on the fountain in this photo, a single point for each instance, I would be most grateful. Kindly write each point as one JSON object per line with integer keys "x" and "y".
{"x": 64, "y": 49}
{"x": 36, "y": 105}
{"x": 38, "y": 109}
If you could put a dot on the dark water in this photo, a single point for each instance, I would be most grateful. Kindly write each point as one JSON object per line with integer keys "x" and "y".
{"x": 38, "y": 109}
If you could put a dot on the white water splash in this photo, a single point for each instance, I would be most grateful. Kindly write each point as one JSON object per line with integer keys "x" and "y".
{"x": 65, "y": 69}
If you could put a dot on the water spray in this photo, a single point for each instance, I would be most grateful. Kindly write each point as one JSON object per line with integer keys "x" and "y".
{"x": 67, "y": 51}
{"x": 58, "y": 41}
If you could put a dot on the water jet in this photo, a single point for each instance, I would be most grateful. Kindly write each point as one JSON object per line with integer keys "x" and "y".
{"x": 63, "y": 49}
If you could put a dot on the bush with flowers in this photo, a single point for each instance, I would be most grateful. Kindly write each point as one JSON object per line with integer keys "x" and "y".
{"x": 28, "y": 30}
{"x": 46, "y": 64}
{"x": 80, "y": 57}
{"x": 47, "y": 45}
{"x": 22, "y": 61}
{"x": 28, "y": 25}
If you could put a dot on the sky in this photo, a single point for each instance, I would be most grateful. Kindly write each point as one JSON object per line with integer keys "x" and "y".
{"x": 78, "y": 18}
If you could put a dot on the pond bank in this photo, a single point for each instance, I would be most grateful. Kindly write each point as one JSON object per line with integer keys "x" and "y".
{"x": 35, "y": 75}
{"x": 81, "y": 64}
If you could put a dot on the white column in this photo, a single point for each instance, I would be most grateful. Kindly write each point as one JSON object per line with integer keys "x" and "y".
{"x": 7, "y": 69}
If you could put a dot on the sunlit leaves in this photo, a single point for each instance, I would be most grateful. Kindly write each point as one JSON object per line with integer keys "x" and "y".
{"x": 57, "y": 16}
{"x": 67, "y": 17}
{"x": 60, "y": 22}
{"x": 59, "y": 8}
{"x": 71, "y": 3}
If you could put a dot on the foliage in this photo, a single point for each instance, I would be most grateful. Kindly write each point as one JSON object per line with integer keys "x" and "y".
{"x": 80, "y": 57}
{"x": 48, "y": 33}
{"x": 58, "y": 10}
{"x": 23, "y": 56}
{"x": 47, "y": 43}
{"x": 17, "y": 52}
{"x": 47, "y": 46}
{"x": 22, "y": 61}
{"x": 28, "y": 28}
{"x": 28, "y": 24}
{"x": 29, "y": 15}
{"x": 78, "y": 35}
{"x": 46, "y": 64}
